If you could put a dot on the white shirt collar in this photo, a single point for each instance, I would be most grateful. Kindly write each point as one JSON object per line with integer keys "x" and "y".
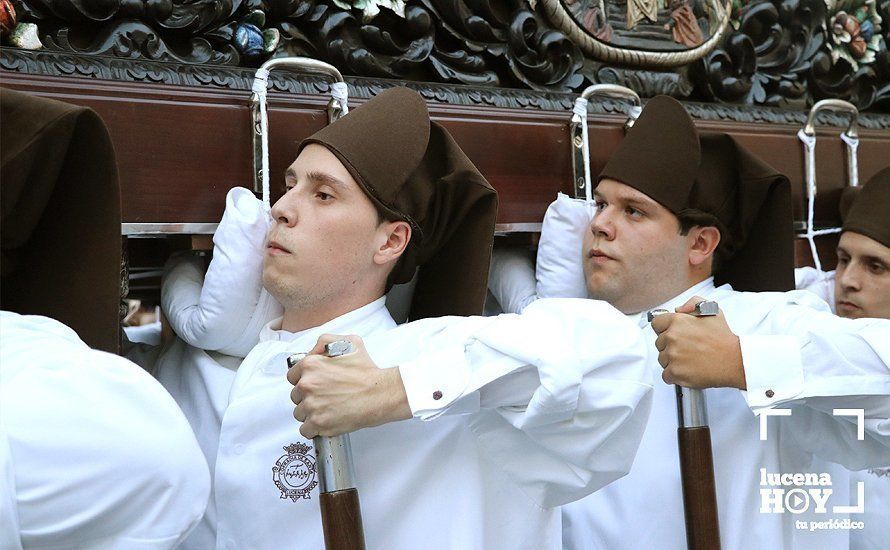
{"x": 276, "y": 344}
{"x": 702, "y": 289}
{"x": 344, "y": 323}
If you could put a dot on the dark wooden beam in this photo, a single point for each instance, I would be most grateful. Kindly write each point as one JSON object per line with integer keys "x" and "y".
{"x": 180, "y": 148}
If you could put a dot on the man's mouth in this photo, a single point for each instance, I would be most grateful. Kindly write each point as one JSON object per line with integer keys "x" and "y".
{"x": 598, "y": 256}
{"x": 275, "y": 248}
{"x": 849, "y": 306}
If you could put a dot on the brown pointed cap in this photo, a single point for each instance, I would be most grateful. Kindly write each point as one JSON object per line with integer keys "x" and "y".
{"x": 413, "y": 169}
{"x": 660, "y": 154}
{"x": 869, "y": 213}
{"x": 848, "y": 197}
{"x": 60, "y": 223}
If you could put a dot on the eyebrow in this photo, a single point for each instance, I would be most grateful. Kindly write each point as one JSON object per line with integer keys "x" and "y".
{"x": 317, "y": 177}
{"x": 323, "y": 177}
{"x": 868, "y": 258}
{"x": 633, "y": 201}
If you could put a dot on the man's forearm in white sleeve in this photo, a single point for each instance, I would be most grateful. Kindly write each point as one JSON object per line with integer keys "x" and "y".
{"x": 811, "y": 359}
{"x": 559, "y": 395}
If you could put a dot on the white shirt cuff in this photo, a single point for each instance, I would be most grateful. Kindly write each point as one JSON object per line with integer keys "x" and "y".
{"x": 436, "y": 383}
{"x": 773, "y": 370}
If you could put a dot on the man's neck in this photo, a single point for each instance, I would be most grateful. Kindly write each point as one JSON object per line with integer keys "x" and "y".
{"x": 300, "y": 319}
{"x": 700, "y": 288}
{"x": 668, "y": 295}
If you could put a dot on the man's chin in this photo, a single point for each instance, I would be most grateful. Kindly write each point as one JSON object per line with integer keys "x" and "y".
{"x": 272, "y": 282}
{"x": 851, "y": 313}
{"x": 599, "y": 289}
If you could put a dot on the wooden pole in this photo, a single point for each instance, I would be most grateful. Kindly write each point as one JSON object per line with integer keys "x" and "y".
{"x": 699, "y": 490}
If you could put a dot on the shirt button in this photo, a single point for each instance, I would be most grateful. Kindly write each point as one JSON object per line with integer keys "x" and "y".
{"x": 437, "y": 395}
{"x": 239, "y": 449}
{"x": 770, "y": 393}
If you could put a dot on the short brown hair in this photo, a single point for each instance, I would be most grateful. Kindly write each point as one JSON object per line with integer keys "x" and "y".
{"x": 692, "y": 217}
{"x": 384, "y": 216}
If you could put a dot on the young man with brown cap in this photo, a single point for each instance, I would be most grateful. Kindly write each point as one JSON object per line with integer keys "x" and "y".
{"x": 682, "y": 217}
{"x": 474, "y": 430}
{"x": 861, "y": 285}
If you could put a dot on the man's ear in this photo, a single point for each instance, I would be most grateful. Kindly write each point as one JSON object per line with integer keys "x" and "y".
{"x": 395, "y": 237}
{"x": 704, "y": 241}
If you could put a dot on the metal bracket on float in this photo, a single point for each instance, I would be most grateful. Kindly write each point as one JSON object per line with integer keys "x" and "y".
{"x": 807, "y": 136}
{"x": 578, "y": 131}
{"x": 337, "y": 107}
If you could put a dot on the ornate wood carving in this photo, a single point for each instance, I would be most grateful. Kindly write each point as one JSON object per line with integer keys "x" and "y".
{"x": 600, "y": 29}
{"x": 776, "y": 53}
{"x": 236, "y": 78}
{"x": 781, "y": 56}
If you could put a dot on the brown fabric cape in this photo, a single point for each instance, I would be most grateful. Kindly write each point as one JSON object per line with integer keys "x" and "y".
{"x": 60, "y": 223}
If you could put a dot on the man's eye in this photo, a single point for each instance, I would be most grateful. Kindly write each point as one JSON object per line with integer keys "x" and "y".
{"x": 842, "y": 261}
{"x": 323, "y": 196}
{"x": 600, "y": 205}
{"x": 633, "y": 212}
{"x": 877, "y": 268}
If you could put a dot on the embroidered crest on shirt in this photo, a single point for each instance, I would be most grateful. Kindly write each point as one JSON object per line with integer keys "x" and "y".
{"x": 294, "y": 473}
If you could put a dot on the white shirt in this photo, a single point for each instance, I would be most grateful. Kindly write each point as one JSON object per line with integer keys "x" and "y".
{"x": 820, "y": 283}
{"x": 531, "y": 416}
{"x": 93, "y": 452}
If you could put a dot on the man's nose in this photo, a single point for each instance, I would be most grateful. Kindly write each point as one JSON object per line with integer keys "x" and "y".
{"x": 601, "y": 225}
{"x": 285, "y": 209}
{"x": 851, "y": 277}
